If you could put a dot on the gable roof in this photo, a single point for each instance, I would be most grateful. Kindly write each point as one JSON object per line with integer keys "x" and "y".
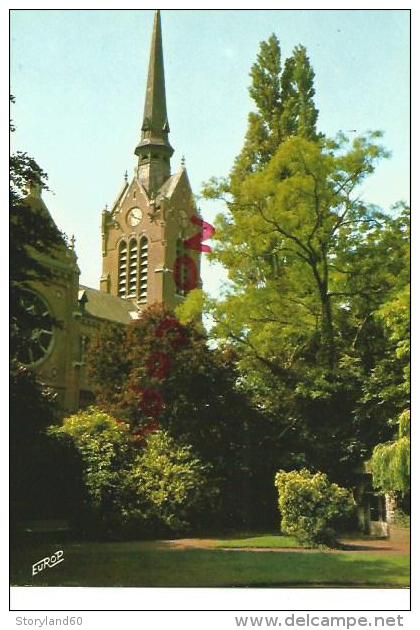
{"x": 168, "y": 188}
{"x": 105, "y": 306}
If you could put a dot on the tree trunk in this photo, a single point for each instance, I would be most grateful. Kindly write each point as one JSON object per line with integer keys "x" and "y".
{"x": 327, "y": 352}
{"x": 327, "y": 331}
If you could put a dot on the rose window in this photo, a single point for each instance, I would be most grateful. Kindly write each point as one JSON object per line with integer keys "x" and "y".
{"x": 38, "y": 334}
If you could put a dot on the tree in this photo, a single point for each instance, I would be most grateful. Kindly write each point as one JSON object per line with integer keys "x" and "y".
{"x": 312, "y": 267}
{"x": 388, "y": 388}
{"x": 45, "y": 477}
{"x": 31, "y": 410}
{"x": 281, "y": 242}
{"x": 381, "y": 324}
{"x": 33, "y": 235}
{"x": 38, "y": 491}
{"x": 263, "y": 133}
{"x": 283, "y": 235}
{"x": 299, "y": 115}
{"x": 390, "y": 463}
{"x": 159, "y": 374}
{"x": 284, "y": 100}
{"x": 309, "y": 264}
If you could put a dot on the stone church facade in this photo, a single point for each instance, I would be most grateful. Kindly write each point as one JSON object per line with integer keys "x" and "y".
{"x": 144, "y": 261}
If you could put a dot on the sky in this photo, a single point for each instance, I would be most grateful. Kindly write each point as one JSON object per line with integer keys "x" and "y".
{"x": 79, "y": 80}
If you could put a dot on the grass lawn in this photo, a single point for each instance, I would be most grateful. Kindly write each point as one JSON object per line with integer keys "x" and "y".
{"x": 138, "y": 564}
{"x": 265, "y": 541}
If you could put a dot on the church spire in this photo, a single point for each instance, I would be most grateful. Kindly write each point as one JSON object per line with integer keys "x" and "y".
{"x": 154, "y": 150}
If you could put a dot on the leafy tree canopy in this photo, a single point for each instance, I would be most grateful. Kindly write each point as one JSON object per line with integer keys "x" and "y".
{"x": 161, "y": 373}
{"x": 313, "y": 272}
{"x": 33, "y": 234}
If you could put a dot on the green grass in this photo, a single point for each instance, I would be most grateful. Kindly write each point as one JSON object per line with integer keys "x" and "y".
{"x": 140, "y": 564}
{"x": 264, "y": 541}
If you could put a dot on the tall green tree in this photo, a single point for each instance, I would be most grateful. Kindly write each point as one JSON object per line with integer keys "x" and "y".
{"x": 387, "y": 391}
{"x": 299, "y": 115}
{"x": 376, "y": 331}
{"x": 281, "y": 243}
{"x": 33, "y": 234}
{"x": 45, "y": 477}
{"x": 284, "y": 107}
{"x": 37, "y": 490}
{"x": 309, "y": 265}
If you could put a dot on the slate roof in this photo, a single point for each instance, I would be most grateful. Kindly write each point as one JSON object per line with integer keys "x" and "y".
{"x": 106, "y": 306}
{"x": 168, "y": 188}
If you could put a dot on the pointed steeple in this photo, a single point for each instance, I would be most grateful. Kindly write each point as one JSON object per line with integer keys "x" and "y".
{"x": 155, "y": 119}
{"x": 154, "y": 150}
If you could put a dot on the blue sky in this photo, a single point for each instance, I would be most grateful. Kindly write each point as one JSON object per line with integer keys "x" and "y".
{"x": 79, "y": 79}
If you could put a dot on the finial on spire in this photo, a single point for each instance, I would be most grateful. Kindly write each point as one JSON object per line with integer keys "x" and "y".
{"x": 126, "y": 176}
{"x": 183, "y": 161}
{"x": 72, "y": 242}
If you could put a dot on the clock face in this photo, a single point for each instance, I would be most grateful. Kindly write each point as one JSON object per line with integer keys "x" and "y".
{"x": 183, "y": 218}
{"x": 134, "y": 217}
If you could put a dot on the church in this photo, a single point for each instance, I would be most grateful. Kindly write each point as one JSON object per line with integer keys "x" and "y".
{"x": 144, "y": 235}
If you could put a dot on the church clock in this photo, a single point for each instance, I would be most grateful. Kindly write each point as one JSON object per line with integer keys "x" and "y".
{"x": 134, "y": 217}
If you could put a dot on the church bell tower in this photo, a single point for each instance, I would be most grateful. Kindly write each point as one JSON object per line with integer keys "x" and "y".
{"x": 144, "y": 232}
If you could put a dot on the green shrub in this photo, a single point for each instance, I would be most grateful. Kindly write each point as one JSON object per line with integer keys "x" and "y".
{"x": 311, "y": 507}
{"x": 103, "y": 446}
{"x": 170, "y": 485}
{"x": 136, "y": 485}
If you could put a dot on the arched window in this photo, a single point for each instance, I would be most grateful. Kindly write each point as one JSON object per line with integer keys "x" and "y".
{"x": 132, "y": 269}
{"x": 143, "y": 267}
{"x": 122, "y": 269}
